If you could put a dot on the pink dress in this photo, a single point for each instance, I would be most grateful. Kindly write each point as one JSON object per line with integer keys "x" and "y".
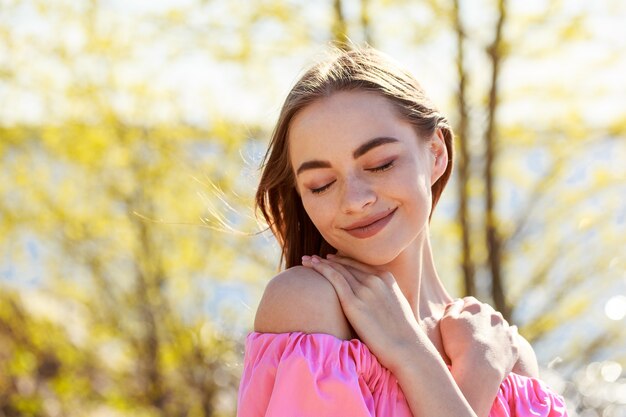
{"x": 300, "y": 374}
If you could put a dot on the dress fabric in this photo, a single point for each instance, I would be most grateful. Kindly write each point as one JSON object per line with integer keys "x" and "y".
{"x": 301, "y": 374}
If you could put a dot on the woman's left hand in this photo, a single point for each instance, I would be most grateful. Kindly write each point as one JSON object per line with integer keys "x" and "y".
{"x": 481, "y": 346}
{"x": 478, "y": 338}
{"x": 374, "y": 305}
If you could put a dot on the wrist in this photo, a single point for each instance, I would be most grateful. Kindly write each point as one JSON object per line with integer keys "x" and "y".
{"x": 470, "y": 374}
{"x": 410, "y": 353}
{"x": 425, "y": 380}
{"x": 481, "y": 364}
{"x": 479, "y": 396}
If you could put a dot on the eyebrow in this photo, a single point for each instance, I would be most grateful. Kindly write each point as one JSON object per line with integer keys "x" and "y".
{"x": 358, "y": 152}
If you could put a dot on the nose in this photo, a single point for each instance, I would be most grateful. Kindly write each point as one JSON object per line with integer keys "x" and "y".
{"x": 357, "y": 194}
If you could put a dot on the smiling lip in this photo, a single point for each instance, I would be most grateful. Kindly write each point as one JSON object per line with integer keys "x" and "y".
{"x": 370, "y": 226}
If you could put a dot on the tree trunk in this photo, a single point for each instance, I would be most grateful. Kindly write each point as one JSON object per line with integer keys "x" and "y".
{"x": 463, "y": 159}
{"x": 150, "y": 343}
{"x": 493, "y": 239}
{"x": 340, "y": 27}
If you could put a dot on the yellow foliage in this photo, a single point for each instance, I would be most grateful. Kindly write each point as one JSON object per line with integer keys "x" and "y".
{"x": 102, "y": 207}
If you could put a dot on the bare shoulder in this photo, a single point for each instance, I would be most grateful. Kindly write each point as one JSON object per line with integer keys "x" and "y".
{"x": 300, "y": 299}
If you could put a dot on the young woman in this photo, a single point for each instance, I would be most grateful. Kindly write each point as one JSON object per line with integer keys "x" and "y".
{"x": 359, "y": 324}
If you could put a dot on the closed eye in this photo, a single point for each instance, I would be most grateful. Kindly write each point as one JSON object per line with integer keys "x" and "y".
{"x": 321, "y": 189}
{"x": 382, "y": 167}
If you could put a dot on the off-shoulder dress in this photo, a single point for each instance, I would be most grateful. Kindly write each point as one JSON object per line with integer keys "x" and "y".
{"x": 301, "y": 374}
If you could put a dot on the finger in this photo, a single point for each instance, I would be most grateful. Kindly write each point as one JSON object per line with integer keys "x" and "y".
{"x": 351, "y": 262}
{"x": 471, "y": 305}
{"x": 366, "y": 274}
{"x": 372, "y": 280}
{"x": 351, "y": 276}
{"x": 497, "y": 319}
{"x": 339, "y": 282}
{"x": 471, "y": 300}
{"x": 474, "y": 306}
{"x": 306, "y": 261}
{"x": 454, "y": 303}
{"x": 364, "y": 278}
{"x": 454, "y": 309}
{"x": 489, "y": 309}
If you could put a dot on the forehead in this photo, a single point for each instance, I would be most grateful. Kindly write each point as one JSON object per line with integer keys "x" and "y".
{"x": 344, "y": 120}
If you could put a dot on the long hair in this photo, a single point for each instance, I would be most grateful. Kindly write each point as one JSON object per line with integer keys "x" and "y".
{"x": 364, "y": 69}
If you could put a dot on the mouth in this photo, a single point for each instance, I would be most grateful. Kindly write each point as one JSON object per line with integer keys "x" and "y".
{"x": 371, "y": 226}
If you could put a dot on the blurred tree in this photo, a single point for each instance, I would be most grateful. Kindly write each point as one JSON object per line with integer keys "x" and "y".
{"x": 102, "y": 155}
{"x": 463, "y": 156}
{"x": 544, "y": 257}
{"x": 493, "y": 240}
{"x": 87, "y": 189}
{"x": 340, "y": 27}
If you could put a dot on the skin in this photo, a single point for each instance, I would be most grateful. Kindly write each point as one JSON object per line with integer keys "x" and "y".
{"x": 330, "y": 129}
{"x": 387, "y": 284}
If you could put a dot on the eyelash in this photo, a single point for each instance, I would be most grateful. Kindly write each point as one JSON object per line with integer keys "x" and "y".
{"x": 381, "y": 168}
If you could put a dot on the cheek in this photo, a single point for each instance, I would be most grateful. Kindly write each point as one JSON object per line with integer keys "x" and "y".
{"x": 319, "y": 212}
{"x": 423, "y": 185}
{"x": 416, "y": 177}
{"x": 422, "y": 192}
{"x": 408, "y": 182}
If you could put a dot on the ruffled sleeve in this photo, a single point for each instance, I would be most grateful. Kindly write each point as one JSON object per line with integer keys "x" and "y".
{"x": 520, "y": 396}
{"x": 299, "y": 374}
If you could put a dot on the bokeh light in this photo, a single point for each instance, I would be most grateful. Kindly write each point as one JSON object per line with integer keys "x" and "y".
{"x": 615, "y": 308}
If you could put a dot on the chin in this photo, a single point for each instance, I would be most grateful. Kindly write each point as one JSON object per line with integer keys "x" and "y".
{"x": 371, "y": 257}
{"x": 383, "y": 252}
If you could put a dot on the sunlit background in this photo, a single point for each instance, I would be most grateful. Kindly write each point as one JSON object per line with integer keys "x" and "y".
{"x": 131, "y": 132}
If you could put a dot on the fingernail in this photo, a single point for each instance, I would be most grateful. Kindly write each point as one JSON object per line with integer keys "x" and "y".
{"x": 330, "y": 255}
{"x": 315, "y": 260}
{"x": 306, "y": 258}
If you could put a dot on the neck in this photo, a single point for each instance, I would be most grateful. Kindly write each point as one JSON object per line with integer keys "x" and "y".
{"x": 414, "y": 271}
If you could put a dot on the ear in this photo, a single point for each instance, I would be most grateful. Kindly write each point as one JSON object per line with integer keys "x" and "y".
{"x": 438, "y": 156}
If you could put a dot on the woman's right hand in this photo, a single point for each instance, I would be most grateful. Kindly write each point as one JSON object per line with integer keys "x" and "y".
{"x": 375, "y": 307}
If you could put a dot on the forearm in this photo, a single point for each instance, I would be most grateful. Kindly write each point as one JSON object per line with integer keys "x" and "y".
{"x": 480, "y": 395}
{"x": 428, "y": 386}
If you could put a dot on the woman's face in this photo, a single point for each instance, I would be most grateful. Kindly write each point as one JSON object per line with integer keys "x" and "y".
{"x": 363, "y": 174}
